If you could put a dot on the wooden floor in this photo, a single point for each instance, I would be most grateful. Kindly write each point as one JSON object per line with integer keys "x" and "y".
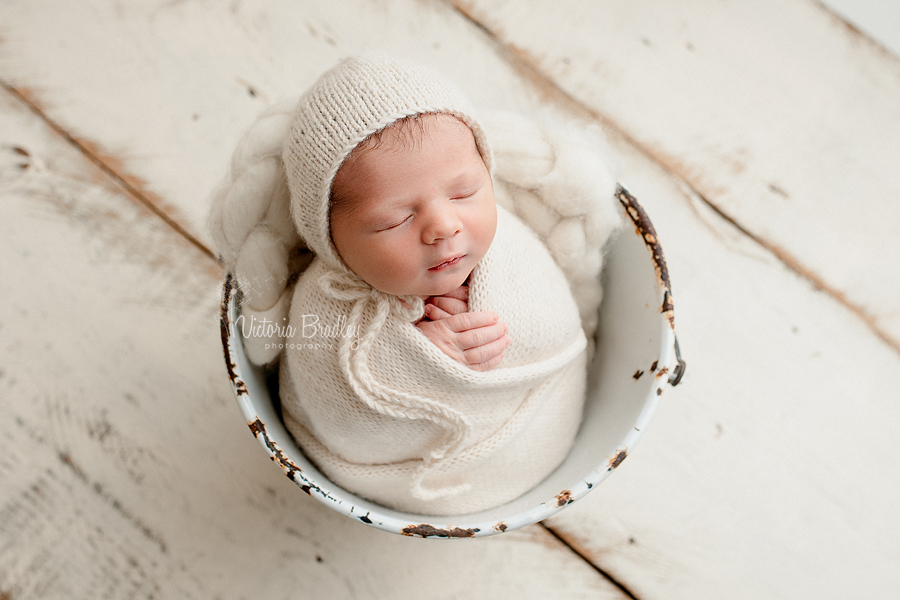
{"x": 763, "y": 138}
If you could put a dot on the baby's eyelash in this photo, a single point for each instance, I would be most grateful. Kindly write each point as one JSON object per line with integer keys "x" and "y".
{"x": 397, "y": 224}
{"x": 465, "y": 195}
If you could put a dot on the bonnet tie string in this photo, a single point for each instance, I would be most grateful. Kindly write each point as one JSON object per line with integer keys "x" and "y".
{"x": 354, "y": 361}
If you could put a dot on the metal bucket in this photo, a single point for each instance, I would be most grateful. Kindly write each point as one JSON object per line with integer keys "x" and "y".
{"x": 637, "y": 356}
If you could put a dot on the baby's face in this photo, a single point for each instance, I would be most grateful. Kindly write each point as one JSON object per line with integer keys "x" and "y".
{"x": 417, "y": 212}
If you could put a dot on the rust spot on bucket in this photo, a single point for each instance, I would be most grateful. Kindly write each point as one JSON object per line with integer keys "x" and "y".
{"x": 616, "y": 460}
{"x": 225, "y": 329}
{"x": 501, "y": 526}
{"x": 425, "y": 531}
{"x": 653, "y": 366}
{"x": 563, "y": 498}
{"x": 645, "y": 229}
{"x": 293, "y": 472}
{"x": 637, "y": 374}
{"x": 662, "y": 371}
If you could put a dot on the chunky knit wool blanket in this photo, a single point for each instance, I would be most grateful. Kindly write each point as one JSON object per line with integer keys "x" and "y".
{"x": 384, "y": 413}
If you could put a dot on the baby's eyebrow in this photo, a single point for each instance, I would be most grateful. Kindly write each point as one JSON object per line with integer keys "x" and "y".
{"x": 467, "y": 177}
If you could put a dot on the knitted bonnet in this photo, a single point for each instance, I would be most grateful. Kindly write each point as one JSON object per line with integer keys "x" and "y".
{"x": 359, "y": 97}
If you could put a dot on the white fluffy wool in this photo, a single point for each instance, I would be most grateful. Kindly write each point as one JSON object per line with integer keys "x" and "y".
{"x": 262, "y": 349}
{"x": 250, "y": 224}
{"x": 278, "y": 215}
{"x": 247, "y": 200}
{"x": 534, "y": 211}
{"x": 262, "y": 269}
{"x": 266, "y": 138}
{"x": 523, "y": 155}
{"x": 558, "y": 178}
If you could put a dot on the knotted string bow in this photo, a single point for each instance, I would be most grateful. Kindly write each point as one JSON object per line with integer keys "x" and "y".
{"x": 354, "y": 362}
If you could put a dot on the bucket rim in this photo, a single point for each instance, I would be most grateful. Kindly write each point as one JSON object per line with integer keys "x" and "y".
{"x": 315, "y": 484}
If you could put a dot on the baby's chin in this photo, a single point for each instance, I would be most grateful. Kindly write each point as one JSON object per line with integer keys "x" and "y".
{"x": 445, "y": 288}
{"x": 440, "y": 287}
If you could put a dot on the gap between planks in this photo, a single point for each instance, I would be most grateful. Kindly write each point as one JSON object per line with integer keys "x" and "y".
{"x": 586, "y": 558}
{"x": 527, "y": 66}
{"x": 123, "y": 180}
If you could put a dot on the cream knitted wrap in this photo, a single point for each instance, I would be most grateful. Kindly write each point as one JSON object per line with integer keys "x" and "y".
{"x": 386, "y": 414}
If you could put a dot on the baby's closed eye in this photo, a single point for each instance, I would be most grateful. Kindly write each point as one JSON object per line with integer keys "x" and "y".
{"x": 393, "y": 224}
{"x": 465, "y": 194}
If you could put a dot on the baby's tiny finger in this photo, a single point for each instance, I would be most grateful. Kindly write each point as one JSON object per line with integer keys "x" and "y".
{"x": 486, "y": 352}
{"x": 489, "y": 364}
{"x": 480, "y": 336}
{"x": 449, "y": 305}
{"x": 435, "y": 313}
{"x": 472, "y": 320}
{"x": 461, "y": 293}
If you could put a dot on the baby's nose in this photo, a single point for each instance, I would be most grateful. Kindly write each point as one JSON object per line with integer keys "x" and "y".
{"x": 441, "y": 224}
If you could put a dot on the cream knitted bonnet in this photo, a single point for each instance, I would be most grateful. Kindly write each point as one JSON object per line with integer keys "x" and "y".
{"x": 359, "y": 97}
{"x": 278, "y": 186}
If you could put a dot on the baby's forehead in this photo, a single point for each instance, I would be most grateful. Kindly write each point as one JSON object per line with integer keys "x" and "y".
{"x": 443, "y": 135}
{"x": 409, "y": 132}
{"x": 433, "y": 149}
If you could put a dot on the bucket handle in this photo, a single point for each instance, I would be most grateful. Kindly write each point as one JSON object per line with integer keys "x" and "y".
{"x": 678, "y": 371}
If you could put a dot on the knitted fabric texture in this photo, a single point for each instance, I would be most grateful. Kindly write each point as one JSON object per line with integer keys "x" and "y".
{"x": 360, "y": 96}
{"x": 386, "y": 414}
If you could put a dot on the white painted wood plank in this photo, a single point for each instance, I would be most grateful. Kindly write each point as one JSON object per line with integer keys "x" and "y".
{"x": 774, "y": 111}
{"x": 770, "y": 472}
{"x": 126, "y": 470}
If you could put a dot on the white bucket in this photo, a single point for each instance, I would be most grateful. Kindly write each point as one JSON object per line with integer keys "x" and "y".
{"x": 637, "y": 355}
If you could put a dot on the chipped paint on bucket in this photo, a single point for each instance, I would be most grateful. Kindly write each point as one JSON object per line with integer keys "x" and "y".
{"x": 636, "y": 356}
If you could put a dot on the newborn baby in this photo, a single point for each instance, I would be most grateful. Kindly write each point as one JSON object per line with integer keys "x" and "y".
{"x": 437, "y": 363}
{"x": 412, "y": 214}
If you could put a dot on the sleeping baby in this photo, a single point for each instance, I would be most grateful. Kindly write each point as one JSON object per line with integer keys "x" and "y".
{"x": 436, "y": 358}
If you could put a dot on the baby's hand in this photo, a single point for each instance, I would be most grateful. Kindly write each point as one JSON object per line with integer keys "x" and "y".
{"x": 475, "y": 339}
{"x": 452, "y": 303}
